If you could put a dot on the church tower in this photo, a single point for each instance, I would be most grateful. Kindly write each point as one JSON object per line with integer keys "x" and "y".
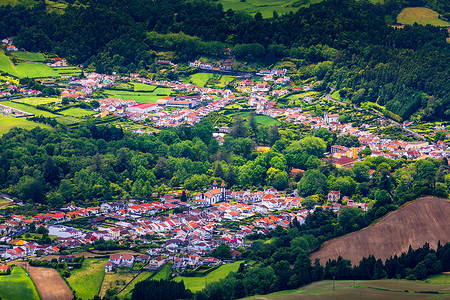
{"x": 325, "y": 117}
{"x": 214, "y": 184}
{"x": 223, "y": 190}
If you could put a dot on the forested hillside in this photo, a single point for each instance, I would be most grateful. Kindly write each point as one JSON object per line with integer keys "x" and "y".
{"x": 403, "y": 69}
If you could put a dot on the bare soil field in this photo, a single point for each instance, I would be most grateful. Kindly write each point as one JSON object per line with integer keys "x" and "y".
{"x": 426, "y": 220}
{"x": 49, "y": 284}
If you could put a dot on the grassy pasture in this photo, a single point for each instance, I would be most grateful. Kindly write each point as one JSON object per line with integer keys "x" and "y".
{"x": 31, "y": 70}
{"x": 260, "y": 119}
{"x": 115, "y": 280}
{"x": 30, "y": 109}
{"x": 373, "y": 289}
{"x": 126, "y": 293}
{"x": 200, "y": 79}
{"x": 142, "y": 87}
{"x": 77, "y": 112}
{"x": 198, "y": 283}
{"x": 420, "y": 15}
{"x": 87, "y": 280}
{"x": 35, "y": 101}
{"x": 29, "y": 56}
{"x": 142, "y": 97}
{"x": 7, "y": 123}
{"x": 18, "y": 285}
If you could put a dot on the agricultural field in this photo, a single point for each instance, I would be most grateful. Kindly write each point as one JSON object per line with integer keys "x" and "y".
{"x": 115, "y": 280}
{"x": 260, "y": 119}
{"x": 49, "y": 284}
{"x": 164, "y": 273}
{"x": 29, "y": 56}
{"x": 141, "y": 97}
{"x": 371, "y": 289}
{"x": 200, "y": 79}
{"x": 31, "y": 70}
{"x": 35, "y": 101}
{"x": 126, "y": 293}
{"x": 15, "y": 2}
{"x": 421, "y": 221}
{"x": 66, "y": 120}
{"x": 439, "y": 278}
{"x": 198, "y": 283}
{"x": 142, "y": 87}
{"x": 77, "y": 112}
{"x": 87, "y": 280}
{"x": 18, "y": 285}
{"x": 421, "y": 16}
{"x": 266, "y": 7}
{"x": 67, "y": 70}
{"x": 7, "y": 123}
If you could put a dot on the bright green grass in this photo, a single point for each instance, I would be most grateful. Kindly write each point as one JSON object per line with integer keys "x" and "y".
{"x": 198, "y": 283}
{"x": 87, "y": 280}
{"x": 260, "y": 119}
{"x": 164, "y": 273}
{"x": 200, "y": 79}
{"x": 32, "y": 70}
{"x": 141, "y": 97}
{"x": 29, "y": 56}
{"x": 7, "y": 66}
{"x": 336, "y": 95}
{"x": 77, "y": 112}
{"x": 266, "y": 7}
{"x": 18, "y": 285}
{"x": 15, "y": 2}
{"x": 421, "y": 16}
{"x": 224, "y": 80}
{"x": 126, "y": 293}
{"x": 37, "y": 112}
{"x": 142, "y": 87}
{"x": 439, "y": 278}
{"x": 35, "y": 101}
{"x": 7, "y": 122}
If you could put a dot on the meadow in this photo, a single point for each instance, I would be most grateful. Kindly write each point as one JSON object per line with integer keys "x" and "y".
{"x": 35, "y": 101}
{"x": 372, "y": 289}
{"x": 260, "y": 119}
{"x": 141, "y": 97}
{"x": 18, "y": 285}
{"x": 198, "y": 283}
{"x": 21, "y": 70}
{"x": 200, "y": 79}
{"x": 7, "y": 123}
{"x": 126, "y": 293}
{"x": 87, "y": 280}
{"x": 29, "y": 56}
{"x": 142, "y": 87}
{"x": 115, "y": 280}
{"x": 421, "y": 16}
{"x": 67, "y": 70}
{"x": 77, "y": 112}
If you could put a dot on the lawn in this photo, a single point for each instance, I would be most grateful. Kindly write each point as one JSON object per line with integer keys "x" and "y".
{"x": 35, "y": 101}
{"x": 18, "y": 285}
{"x": 421, "y": 16}
{"x": 126, "y": 293}
{"x": 7, "y": 122}
{"x": 373, "y": 289}
{"x": 87, "y": 280}
{"x": 224, "y": 80}
{"x": 200, "y": 79}
{"x": 266, "y": 7}
{"x": 29, "y": 56}
{"x": 77, "y": 112}
{"x": 141, "y": 97}
{"x": 142, "y": 87}
{"x": 198, "y": 283}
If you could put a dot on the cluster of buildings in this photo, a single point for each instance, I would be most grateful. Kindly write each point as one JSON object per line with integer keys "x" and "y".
{"x": 222, "y": 65}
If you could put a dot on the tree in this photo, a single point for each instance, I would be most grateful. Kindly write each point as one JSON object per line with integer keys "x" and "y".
{"x": 440, "y": 135}
{"x": 238, "y": 130}
{"x": 309, "y": 145}
{"x": 222, "y": 252}
{"x": 274, "y": 135}
{"x": 252, "y": 123}
{"x": 312, "y": 182}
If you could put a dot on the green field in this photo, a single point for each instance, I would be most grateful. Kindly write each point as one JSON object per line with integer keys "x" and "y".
{"x": 87, "y": 280}
{"x": 421, "y": 16}
{"x": 35, "y": 101}
{"x": 141, "y": 97}
{"x": 126, "y": 293}
{"x": 67, "y": 70}
{"x": 198, "y": 283}
{"x": 7, "y": 122}
{"x": 31, "y": 70}
{"x": 18, "y": 285}
{"x": 15, "y": 2}
{"x": 266, "y": 7}
{"x": 260, "y": 119}
{"x": 30, "y": 109}
{"x": 142, "y": 87}
{"x": 224, "y": 80}
{"x": 77, "y": 112}
{"x": 439, "y": 278}
{"x": 29, "y": 56}
{"x": 164, "y": 273}
{"x": 200, "y": 79}
{"x": 373, "y": 289}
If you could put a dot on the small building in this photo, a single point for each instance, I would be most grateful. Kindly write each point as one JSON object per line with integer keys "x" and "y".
{"x": 334, "y": 196}
{"x": 143, "y": 108}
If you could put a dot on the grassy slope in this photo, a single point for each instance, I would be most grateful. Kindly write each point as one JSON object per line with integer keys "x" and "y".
{"x": 126, "y": 293}
{"x": 142, "y": 97}
{"x": 77, "y": 112}
{"x": 86, "y": 281}
{"x": 373, "y": 289}
{"x": 6, "y": 123}
{"x": 35, "y": 101}
{"x": 115, "y": 280}
{"x": 420, "y": 15}
{"x": 142, "y": 87}
{"x": 17, "y": 286}
{"x": 200, "y": 79}
{"x": 419, "y": 222}
{"x": 198, "y": 283}
{"x": 31, "y": 70}
{"x": 62, "y": 119}
{"x": 30, "y": 56}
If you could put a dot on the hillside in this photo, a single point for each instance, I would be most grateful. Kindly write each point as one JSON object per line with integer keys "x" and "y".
{"x": 424, "y": 220}
{"x": 421, "y": 16}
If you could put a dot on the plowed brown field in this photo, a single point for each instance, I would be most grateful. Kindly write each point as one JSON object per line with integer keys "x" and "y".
{"x": 426, "y": 220}
{"x": 49, "y": 284}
